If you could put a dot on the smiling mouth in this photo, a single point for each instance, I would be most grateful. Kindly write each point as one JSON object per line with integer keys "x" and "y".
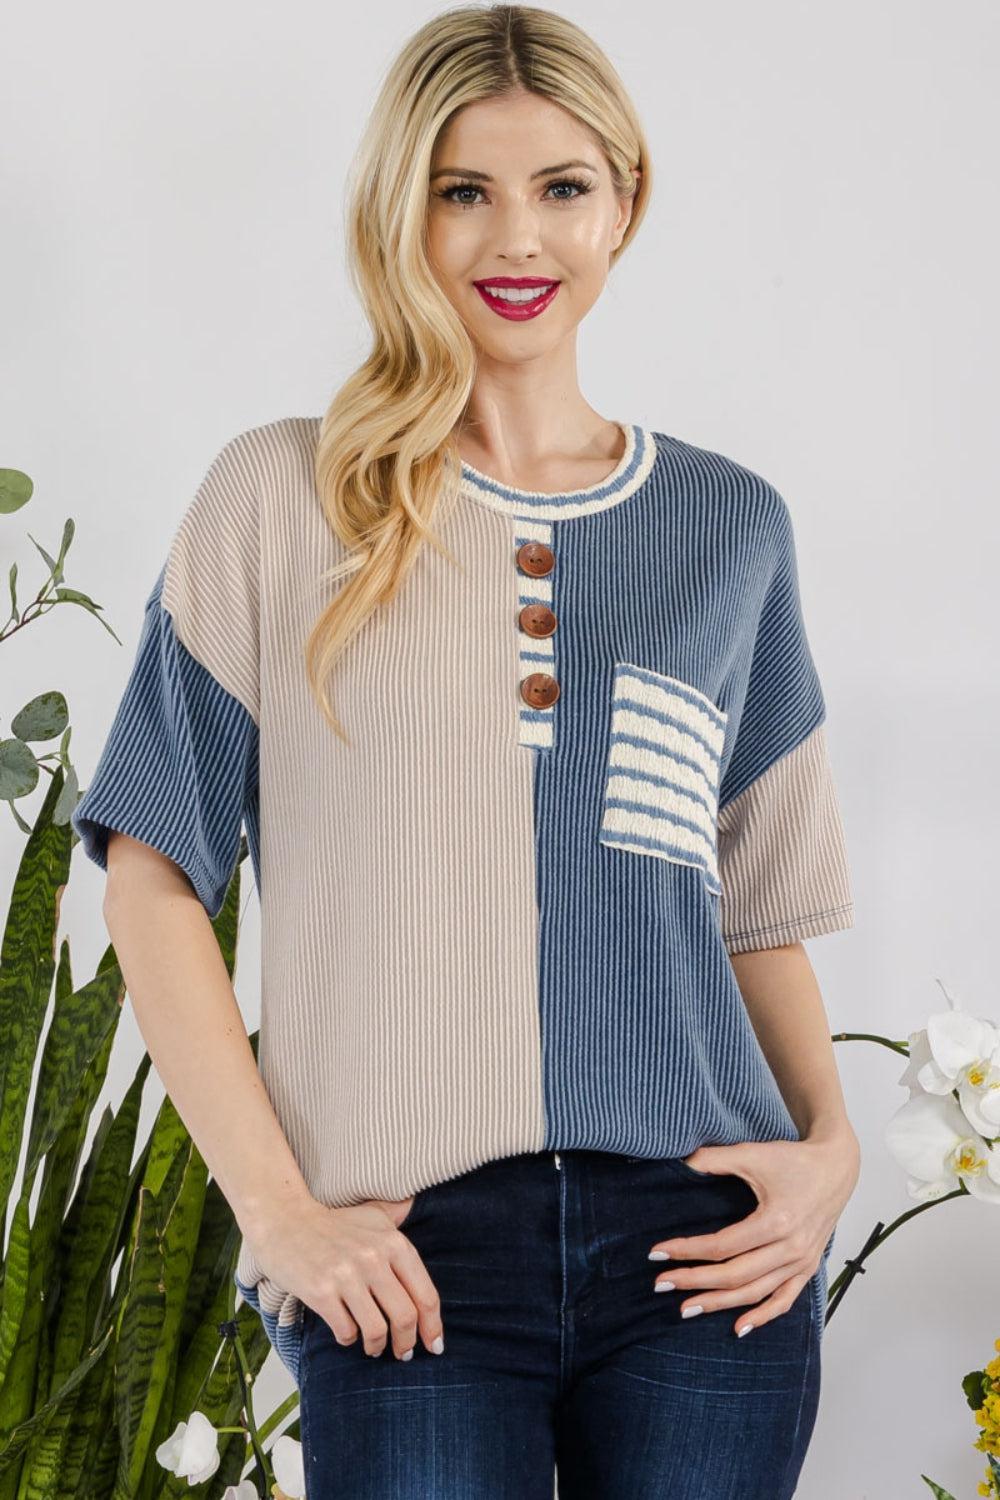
{"x": 517, "y": 300}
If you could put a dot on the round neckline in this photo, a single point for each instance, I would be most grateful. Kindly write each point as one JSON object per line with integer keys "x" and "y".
{"x": 629, "y": 472}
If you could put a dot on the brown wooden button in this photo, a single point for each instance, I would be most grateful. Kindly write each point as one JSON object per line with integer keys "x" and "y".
{"x": 539, "y": 690}
{"x": 537, "y": 619}
{"x": 535, "y": 558}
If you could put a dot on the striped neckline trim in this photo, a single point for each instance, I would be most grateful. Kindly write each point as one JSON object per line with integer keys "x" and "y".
{"x": 629, "y": 473}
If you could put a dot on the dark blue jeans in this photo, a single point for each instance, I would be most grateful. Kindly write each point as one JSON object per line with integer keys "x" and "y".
{"x": 559, "y": 1358}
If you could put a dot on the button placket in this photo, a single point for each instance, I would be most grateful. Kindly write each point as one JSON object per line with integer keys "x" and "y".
{"x": 536, "y": 627}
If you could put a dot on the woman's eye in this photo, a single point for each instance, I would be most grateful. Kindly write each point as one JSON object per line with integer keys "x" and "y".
{"x": 464, "y": 187}
{"x": 470, "y": 187}
{"x": 581, "y": 187}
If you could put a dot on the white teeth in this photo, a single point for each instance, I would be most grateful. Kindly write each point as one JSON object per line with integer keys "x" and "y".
{"x": 519, "y": 293}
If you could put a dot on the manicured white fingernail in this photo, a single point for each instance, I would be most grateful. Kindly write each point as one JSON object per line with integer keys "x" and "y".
{"x": 659, "y": 1255}
{"x": 691, "y": 1312}
{"x": 407, "y": 1355}
{"x": 747, "y": 1328}
{"x": 438, "y": 1345}
{"x": 664, "y": 1286}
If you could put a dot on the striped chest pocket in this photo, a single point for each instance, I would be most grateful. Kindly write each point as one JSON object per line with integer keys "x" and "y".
{"x": 661, "y": 785}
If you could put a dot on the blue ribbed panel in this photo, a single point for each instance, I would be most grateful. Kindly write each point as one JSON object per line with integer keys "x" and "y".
{"x": 647, "y": 1047}
{"x": 783, "y": 698}
{"x": 179, "y": 767}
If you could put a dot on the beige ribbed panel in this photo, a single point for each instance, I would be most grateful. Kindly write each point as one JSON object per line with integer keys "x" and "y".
{"x": 782, "y": 854}
{"x": 210, "y": 583}
{"x": 400, "y": 1032}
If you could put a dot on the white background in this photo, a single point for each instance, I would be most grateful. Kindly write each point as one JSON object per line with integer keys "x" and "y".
{"x": 812, "y": 293}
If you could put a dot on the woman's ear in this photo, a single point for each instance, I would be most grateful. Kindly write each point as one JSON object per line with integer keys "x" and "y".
{"x": 625, "y": 212}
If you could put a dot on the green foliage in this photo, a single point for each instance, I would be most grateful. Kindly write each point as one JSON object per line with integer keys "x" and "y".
{"x": 112, "y": 1293}
{"x": 15, "y": 490}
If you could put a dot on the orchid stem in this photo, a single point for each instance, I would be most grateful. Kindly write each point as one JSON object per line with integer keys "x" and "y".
{"x": 903, "y": 1048}
{"x": 878, "y": 1237}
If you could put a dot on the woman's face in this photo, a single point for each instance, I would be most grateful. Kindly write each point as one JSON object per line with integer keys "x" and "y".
{"x": 500, "y": 215}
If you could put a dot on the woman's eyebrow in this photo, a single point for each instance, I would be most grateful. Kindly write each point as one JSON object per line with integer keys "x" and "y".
{"x": 485, "y": 176}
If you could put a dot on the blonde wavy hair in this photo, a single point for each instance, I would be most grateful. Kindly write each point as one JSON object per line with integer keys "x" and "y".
{"x": 387, "y": 455}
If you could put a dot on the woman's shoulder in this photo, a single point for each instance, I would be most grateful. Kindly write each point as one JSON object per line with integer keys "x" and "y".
{"x": 278, "y": 449}
{"x": 262, "y": 477}
{"x": 739, "y": 498}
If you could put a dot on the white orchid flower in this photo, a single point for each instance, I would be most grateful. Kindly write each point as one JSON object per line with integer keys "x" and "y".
{"x": 286, "y": 1461}
{"x": 191, "y": 1451}
{"x": 245, "y": 1490}
{"x": 929, "y": 1137}
{"x": 959, "y": 1052}
{"x": 919, "y": 1062}
{"x": 979, "y": 1095}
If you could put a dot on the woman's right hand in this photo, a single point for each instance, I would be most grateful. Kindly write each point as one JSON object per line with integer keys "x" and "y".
{"x": 355, "y": 1269}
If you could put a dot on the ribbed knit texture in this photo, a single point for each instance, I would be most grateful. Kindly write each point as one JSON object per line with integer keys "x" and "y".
{"x": 488, "y": 926}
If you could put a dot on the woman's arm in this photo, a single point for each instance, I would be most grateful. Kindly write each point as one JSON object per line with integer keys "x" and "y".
{"x": 189, "y": 719}
{"x": 191, "y": 1023}
{"x": 786, "y": 1009}
{"x": 352, "y": 1264}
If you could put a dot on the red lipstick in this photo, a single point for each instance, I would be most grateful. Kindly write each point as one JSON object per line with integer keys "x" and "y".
{"x": 520, "y": 309}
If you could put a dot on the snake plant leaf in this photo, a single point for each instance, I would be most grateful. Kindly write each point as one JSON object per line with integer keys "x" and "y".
{"x": 43, "y": 1458}
{"x": 82, "y": 1022}
{"x": 28, "y": 1378}
{"x": 215, "y": 1253}
{"x": 26, "y": 977}
{"x": 171, "y": 1202}
{"x": 14, "y": 1441}
{"x": 89, "y": 1248}
{"x": 15, "y": 1283}
{"x": 93, "y": 1228}
{"x": 27, "y": 963}
{"x": 90, "y": 1453}
{"x": 91, "y": 1372}
{"x": 139, "y": 1327}
{"x": 200, "y": 1355}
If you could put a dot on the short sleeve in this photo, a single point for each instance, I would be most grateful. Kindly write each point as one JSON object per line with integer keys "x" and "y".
{"x": 180, "y": 760}
{"x": 782, "y": 854}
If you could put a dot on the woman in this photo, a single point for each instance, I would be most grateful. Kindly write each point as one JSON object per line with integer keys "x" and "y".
{"x": 536, "y": 1012}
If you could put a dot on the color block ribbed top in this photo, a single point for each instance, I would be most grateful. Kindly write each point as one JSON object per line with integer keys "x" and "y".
{"x": 586, "y": 765}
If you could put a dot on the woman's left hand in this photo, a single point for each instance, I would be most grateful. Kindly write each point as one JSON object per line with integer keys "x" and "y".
{"x": 801, "y": 1187}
